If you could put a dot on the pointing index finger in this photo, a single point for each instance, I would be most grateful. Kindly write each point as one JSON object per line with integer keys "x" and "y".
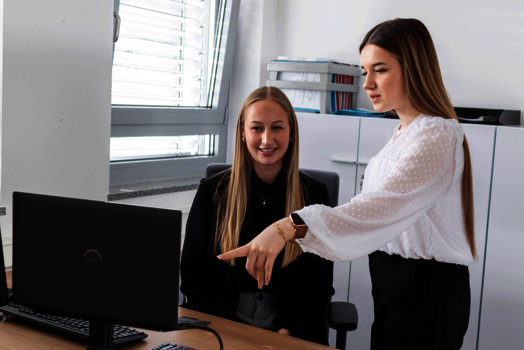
{"x": 235, "y": 253}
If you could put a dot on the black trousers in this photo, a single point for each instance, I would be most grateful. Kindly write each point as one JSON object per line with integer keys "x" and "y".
{"x": 419, "y": 304}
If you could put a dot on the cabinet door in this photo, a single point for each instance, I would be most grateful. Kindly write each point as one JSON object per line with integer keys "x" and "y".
{"x": 374, "y": 133}
{"x": 329, "y": 142}
{"x": 481, "y": 140}
{"x": 502, "y": 318}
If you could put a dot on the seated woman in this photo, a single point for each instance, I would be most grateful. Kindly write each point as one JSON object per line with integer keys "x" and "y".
{"x": 229, "y": 209}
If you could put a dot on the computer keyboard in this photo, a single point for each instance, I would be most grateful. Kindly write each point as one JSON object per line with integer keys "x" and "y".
{"x": 75, "y": 326}
{"x": 170, "y": 346}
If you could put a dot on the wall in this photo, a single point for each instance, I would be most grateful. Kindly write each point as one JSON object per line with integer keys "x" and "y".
{"x": 56, "y": 99}
{"x": 479, "y": 43}
{"x": 255, "y": 46}
{"x": 245, "y": 76}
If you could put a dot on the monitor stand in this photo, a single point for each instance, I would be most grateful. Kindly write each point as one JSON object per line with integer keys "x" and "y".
{"x": 100, "y": 335}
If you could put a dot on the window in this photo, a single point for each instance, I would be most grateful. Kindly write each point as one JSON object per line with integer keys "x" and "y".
{"x": 142, "y": 148}
{"x": 170, "y": 83}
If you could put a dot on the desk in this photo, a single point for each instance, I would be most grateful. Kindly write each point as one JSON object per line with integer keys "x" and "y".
{"x": 18, "y": 334}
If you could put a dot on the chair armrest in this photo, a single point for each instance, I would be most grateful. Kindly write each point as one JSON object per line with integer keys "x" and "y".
{"x": 342, "y": 316}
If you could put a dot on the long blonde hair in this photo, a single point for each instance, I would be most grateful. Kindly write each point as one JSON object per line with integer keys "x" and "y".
{"x": 409, "y": 41}
{"x": 233, "y": 200}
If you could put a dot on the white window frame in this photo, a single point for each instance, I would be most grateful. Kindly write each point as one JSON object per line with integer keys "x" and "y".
{"x": 177, "y": 121}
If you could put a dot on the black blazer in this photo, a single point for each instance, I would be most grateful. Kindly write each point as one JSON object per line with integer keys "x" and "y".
{"x": 303, "y": 288}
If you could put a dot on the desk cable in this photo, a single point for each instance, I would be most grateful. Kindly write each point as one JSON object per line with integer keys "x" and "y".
{"x": 210, "y": 330}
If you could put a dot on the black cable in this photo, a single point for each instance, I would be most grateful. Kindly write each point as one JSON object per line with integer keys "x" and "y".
{"x": 212, "y": 331}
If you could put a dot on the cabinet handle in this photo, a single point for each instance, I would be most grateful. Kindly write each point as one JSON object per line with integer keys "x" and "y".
{"x": 347, "y": 161}
{"x": 116, "y": 33}
{"x": 343, "y": 160}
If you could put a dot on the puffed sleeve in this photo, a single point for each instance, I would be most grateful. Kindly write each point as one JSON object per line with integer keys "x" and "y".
{"x": 196, "y": 266}
{"x": 423, "y": 173}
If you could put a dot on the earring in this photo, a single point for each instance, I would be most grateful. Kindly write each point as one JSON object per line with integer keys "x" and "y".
{"x": 290, "y": 139}
{"x": 243, "y": 139}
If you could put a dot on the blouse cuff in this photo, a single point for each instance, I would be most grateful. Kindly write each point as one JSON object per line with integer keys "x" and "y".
{"x": 310, "y": 243}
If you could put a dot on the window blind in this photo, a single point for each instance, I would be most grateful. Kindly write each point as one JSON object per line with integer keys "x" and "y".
{"x": 163, "y": 53}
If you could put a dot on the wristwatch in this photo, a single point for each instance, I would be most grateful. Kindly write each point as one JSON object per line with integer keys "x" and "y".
{"x": 299, "y": 225}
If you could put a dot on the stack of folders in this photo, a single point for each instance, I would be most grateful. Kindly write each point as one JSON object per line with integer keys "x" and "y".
{"x": 309, "y": 100}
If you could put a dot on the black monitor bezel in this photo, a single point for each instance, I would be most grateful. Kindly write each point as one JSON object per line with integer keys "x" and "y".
{"x": 37, "y": 208}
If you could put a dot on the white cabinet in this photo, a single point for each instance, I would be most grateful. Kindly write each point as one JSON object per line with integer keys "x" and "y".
{"x": 502, "y": 318}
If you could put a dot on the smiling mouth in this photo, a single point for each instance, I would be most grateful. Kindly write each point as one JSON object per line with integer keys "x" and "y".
{"x": 267, "y": 150}
{"x": 374, "y": 98}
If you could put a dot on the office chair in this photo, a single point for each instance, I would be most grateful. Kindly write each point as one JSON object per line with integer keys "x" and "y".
{"x": 342, "y": 316}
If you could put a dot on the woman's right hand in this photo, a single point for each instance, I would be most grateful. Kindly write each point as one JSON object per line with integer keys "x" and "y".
{"x": 262, "y": 251}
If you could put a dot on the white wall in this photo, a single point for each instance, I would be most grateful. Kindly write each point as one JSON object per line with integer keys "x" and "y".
{"x": 245, "y": 76}
{"x": 480, "y": 43}
{"x": 255, "y": 47}
{"x": 56, "y": 99}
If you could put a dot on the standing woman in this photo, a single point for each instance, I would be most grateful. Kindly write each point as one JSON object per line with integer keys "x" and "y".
{"x": 231, "y": 208}
{"x": 415, "y": 215}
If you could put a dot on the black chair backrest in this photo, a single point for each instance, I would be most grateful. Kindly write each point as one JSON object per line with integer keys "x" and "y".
{"x": 331, "y": 179}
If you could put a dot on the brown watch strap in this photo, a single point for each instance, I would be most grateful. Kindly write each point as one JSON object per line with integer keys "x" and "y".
{"x": 300, "y": 230}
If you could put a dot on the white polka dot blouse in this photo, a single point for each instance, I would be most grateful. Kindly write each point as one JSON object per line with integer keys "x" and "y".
{"x": 410, "y": 204}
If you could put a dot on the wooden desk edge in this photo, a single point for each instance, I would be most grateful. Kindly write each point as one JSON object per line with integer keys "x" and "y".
{"x": 19, "y": 334}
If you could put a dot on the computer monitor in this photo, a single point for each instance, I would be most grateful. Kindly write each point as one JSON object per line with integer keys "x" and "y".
{"x": 105, "y": 262}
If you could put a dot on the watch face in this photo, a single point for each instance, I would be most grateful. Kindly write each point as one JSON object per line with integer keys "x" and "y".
{"x": 297, "y": 220}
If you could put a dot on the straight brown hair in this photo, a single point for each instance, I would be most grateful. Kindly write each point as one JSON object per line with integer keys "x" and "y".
{"x": 233, "y": 201}
{"x": 409, "y": 41}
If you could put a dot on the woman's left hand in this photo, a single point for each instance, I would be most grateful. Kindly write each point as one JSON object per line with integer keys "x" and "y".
{"x": 262, "y": 251}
